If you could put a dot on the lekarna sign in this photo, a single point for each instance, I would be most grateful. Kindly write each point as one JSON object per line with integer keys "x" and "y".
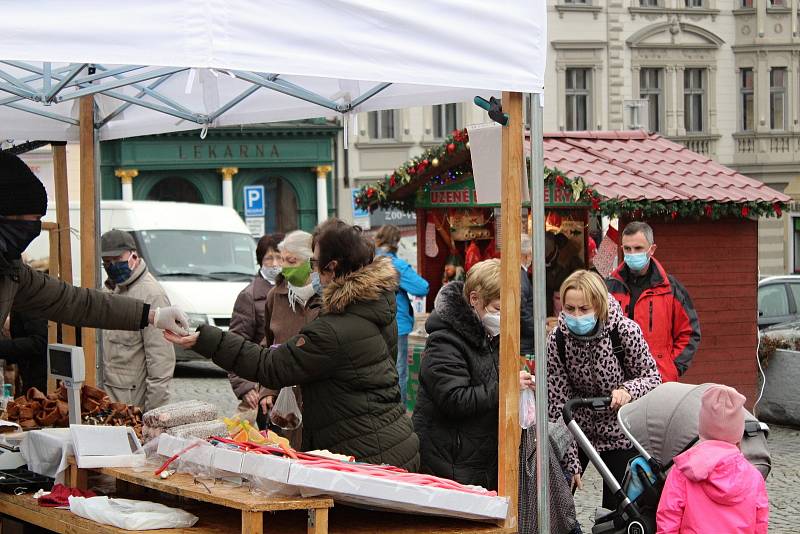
{"x": 254, "y": 201}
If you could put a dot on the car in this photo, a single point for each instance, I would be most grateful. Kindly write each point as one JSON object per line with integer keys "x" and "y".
{"x": 787, "y": 331}
{"x": 778, "y": 300}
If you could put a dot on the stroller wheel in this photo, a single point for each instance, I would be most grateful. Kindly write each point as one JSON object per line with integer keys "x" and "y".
{"x": 635, "y": 527}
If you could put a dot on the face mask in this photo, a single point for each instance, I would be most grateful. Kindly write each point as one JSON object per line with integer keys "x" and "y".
{"x": 297, "y": 275}
{"x": 637, "y": 262}
{"x": 270, "y": 273}
{"x": 119, "y": 272}
{"x": 15, "y": 236}
{"x": 316, "y": 283}
{"x": 491, "y": 323}
{"x": 580, "y": 325}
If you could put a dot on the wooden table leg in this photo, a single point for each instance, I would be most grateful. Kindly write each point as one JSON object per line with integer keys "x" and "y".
{"x": 318, "y": 521}
{"x": 252, "y": 522}
{"x": 77, "y": 478}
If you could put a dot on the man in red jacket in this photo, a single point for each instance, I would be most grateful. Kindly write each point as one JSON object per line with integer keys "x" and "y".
{"x": 657, "y": 302}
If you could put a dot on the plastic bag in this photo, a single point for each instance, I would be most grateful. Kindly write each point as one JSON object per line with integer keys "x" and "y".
{"x": 129, "y": 514}
{"x": 527, "y": 408}
{"x": 285, "y": 412}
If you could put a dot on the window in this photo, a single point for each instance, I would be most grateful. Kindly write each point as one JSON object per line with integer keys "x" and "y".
{"x": 648, "y": 3}
{"x": 693, "y": 4}
{"x": 578, "y": 2}
{"x": 777, "y": 3}
{"x": 651, "y": 89}
{"x": 694, "y": 93}
{"x": 577, "y": 95}
{"x": 772, "y": 301}
{"x": 746, "y": 4}
{"x": 381, "y": 124}
{"x": 445, "y": 119}
{"x": 747, "y": 99}
{"x": 777, "y": 98}
{"x": 796, "y": 235}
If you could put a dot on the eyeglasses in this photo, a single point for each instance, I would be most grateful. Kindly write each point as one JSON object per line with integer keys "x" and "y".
{"x": 314, "y": 262}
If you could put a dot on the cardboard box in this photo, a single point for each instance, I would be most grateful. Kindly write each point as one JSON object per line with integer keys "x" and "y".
{"x": 106, "y": 446}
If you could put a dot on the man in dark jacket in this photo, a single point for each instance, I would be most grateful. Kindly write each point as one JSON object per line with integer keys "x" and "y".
{"x": 526, "y": 297}
{"x": 658, "y": 303}
{"x": 344, "y": 360}
{"x": 457, "y": 404}
{"x": 27, "y": 347}
{"x": 23, "y": 203}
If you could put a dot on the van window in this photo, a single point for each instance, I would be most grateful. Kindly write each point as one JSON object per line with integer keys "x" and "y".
{"x": 772, "y": 301}
{"x": 198, "y": 253}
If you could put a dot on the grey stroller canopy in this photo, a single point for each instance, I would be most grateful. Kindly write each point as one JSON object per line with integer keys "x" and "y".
{"x": 664, "y": 422}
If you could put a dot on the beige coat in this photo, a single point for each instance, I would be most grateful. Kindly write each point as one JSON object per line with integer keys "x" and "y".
{"x": 138, "y": 366}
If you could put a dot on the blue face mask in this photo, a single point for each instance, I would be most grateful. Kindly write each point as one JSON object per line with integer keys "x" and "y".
{"x": 119, "y": 272}
{"x": 316, "y": 283}
{"x": 580, "y": 325}
{"x": 637, "y": 262}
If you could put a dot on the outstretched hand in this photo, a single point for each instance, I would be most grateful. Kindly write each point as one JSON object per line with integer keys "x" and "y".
{"x": 184, "y": 342}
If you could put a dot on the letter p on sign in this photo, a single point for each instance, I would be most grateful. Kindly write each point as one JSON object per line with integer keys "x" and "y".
{"x": 254, "y": 201}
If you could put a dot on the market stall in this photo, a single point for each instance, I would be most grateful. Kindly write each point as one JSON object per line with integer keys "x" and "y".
{"x": 222, "y": 68}
{"x": 704, "y": 215}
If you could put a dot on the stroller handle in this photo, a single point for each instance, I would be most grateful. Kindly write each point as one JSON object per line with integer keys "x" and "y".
{"x": 596, "y": 403}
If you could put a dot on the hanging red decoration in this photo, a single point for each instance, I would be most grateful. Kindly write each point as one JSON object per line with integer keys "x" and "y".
{"x": 674, "y": 214}
{"x": 708, "y": 209}
{"x": 777, "y": 208}
{"x": 392, "y": 181}
{"x": 595, "y": 203}
{"x": 451, "y": 148}
{"x": 560, "y": 181}
{"x": 745, "y": 211}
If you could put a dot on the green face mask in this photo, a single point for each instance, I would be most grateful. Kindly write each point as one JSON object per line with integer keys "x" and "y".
{"x": 297, "y": 275}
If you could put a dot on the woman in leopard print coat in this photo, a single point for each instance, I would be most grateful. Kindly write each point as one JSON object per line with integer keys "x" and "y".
{"x": 589, "y": 368}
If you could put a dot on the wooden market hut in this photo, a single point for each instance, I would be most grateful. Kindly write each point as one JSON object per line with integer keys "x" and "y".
{"x": 704, "y": 215}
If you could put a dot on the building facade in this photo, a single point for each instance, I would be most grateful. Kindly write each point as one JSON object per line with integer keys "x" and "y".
{"x": 719, "y": 76}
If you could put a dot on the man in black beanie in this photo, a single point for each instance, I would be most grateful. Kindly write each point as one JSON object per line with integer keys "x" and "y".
{"x": 23, "y": 203}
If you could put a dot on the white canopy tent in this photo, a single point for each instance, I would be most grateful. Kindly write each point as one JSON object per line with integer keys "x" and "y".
{"x": 166, "y": 66}
{"x": 89, "y": 70}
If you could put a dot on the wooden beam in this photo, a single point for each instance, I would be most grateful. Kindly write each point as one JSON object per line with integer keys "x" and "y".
{"x": 511, "y": 204}
{"x": 89, "y": 258}
{"x": 64, "y": 235}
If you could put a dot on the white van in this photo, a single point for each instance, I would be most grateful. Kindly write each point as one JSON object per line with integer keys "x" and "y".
{"x": 202, "y": 255}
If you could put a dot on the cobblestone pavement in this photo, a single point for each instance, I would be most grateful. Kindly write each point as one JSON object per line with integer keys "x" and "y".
{"x": 204, "y": 380}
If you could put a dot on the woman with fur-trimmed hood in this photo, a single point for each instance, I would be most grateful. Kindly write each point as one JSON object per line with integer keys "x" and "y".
{"x": 344, "y": 359}
{"x": 456, "y": 412}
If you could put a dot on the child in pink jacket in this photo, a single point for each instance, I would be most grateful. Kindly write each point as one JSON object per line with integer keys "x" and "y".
{"x": 712, "y": 487}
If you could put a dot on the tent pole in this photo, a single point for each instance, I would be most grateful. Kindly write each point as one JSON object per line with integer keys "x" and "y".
{"x": 88, "y": 197}
{"x": 512, "y": 167}
{"x": 536, "y": 174}
{"x": 62, "y": 218}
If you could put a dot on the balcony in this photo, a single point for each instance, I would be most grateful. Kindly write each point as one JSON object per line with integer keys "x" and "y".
{"x": 766, "y": 147}
{"x": 705, "y": 144}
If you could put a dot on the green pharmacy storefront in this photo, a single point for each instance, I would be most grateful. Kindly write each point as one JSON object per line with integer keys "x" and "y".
{"x": 292, "y": 161}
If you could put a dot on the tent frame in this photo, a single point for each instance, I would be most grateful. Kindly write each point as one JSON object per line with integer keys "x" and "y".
{"x": 103, "y": 80}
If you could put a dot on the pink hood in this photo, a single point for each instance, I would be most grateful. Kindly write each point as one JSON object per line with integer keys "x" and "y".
{"x": 720, "y": 470}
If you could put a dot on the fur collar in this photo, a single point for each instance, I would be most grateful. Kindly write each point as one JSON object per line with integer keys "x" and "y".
{"x": 364, "y": 285}
{"x": 453, "y": 309}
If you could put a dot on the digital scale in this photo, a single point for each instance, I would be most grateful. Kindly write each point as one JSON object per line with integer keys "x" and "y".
{"x": 67, "y": 363}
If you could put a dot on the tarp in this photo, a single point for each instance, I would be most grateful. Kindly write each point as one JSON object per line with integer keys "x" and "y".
{"x": 430, "y": 51}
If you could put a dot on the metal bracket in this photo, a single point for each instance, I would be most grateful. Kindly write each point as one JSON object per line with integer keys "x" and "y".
{"x": 495, "y": 109}
{"x": 312, "y": 518}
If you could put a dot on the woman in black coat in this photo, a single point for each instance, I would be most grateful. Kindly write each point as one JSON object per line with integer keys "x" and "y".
{"x": 456, "y": 412}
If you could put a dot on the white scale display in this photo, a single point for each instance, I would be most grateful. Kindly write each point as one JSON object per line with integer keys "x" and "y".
{"x": 67, "y": 363}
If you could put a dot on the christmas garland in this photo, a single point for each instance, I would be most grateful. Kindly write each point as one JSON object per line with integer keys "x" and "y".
{"x": 447, "y": 163}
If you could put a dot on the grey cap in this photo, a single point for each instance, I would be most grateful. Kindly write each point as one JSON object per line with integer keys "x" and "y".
{"x": 115, "y": 242}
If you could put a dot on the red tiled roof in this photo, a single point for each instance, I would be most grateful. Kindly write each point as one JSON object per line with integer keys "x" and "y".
{"x": 635, "y": 165}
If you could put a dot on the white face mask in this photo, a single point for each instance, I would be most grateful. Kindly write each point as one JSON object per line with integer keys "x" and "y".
{"x": 270, "y": 273}
{"x": 491, "y": 323}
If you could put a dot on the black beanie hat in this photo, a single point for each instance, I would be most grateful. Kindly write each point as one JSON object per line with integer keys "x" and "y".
{"x": 21, "y": 192}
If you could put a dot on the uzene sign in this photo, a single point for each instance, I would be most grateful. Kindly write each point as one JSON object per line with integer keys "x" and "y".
{"x": 453, "y": 196}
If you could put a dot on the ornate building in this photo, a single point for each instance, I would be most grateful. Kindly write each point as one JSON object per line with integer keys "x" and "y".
{"x": 720, "y": 76}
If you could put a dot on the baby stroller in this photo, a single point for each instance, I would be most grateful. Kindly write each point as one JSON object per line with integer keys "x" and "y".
{"x": 660, "y": 425}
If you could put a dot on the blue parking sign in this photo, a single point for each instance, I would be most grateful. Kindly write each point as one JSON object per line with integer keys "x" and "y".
{"x": 254, "y": 201}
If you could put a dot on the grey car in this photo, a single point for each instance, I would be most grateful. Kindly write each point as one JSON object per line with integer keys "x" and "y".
{"x": 778, "y": 300}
